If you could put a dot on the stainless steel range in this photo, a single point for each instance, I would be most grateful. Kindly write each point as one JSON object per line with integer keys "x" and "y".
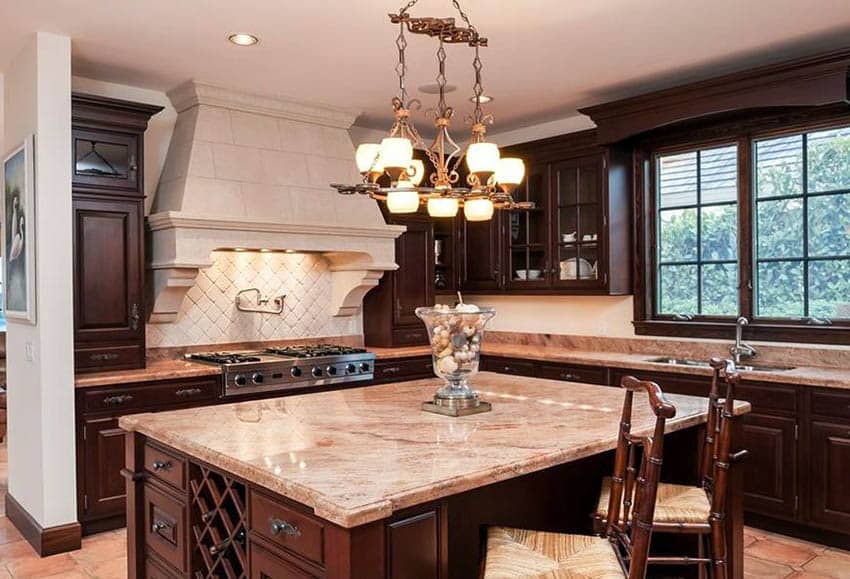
{"x": 280, "y": 369}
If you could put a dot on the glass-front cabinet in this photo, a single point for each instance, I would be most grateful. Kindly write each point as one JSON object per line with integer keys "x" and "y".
{"x": 106, "y": 160}
{"x": 528, "y": 246}
{"x": 578, "y": 221}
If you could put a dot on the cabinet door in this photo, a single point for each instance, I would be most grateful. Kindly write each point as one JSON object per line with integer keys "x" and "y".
{"x": 528, "y": 263}
{"x": 578, "y": 222}
{"x": 414, "y": 280}
{"x": 106, "y": 160}
{"x": 770, "y": 472}
{"x": 108, "y": 263}
{"x": 480, "y": 248}
{"x": 829, "y": 452}
{"x": 103, "y": 459}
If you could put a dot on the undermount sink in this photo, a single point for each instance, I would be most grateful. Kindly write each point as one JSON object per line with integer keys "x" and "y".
{"x": 703, "y": 364}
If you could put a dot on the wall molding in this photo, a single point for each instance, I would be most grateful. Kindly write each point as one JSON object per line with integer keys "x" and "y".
{"x": 49, "y": 541}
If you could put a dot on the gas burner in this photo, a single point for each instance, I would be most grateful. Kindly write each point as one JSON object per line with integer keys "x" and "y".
{"x": 314, "y": 351}
{"x": 224, "y": 357}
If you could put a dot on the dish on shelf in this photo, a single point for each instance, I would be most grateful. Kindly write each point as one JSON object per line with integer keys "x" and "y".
{"x": 569, "y": 237}
{"x": 577, "y": 268}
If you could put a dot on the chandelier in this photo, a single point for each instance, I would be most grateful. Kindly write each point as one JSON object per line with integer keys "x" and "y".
{"x": 490, "y": 180}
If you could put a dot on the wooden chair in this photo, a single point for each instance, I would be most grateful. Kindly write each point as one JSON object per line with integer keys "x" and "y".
{"x": 517, "y": 553}
{"x": 698, "y": 509}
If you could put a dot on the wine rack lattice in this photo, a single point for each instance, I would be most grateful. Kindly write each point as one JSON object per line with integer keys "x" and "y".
{"x": 219, "y": 526}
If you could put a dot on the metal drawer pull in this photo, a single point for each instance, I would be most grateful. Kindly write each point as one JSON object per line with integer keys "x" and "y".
{"x": 284, "y": 527}
{"x": 392, "y": 370}
{"x": 116, "y": 400}
{"x": 568, "y": 376}
{"x": 159, "y": 465}
{"x": 507, "y": 369}
{"x": 158, "y": 526}
{"x": 186, "y": 392}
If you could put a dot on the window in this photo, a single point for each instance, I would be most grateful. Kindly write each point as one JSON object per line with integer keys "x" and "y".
{"x": 802, "y": 226}
{"x": 697, "y": 224}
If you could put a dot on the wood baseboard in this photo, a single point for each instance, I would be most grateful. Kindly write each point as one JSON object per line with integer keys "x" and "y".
{"x": 50, "y": 541}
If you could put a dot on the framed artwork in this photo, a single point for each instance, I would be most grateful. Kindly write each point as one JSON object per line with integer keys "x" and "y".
{"x": 19, "y": 233}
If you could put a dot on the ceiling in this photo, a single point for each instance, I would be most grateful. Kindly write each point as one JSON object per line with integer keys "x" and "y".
{"x": 545, "y": 59}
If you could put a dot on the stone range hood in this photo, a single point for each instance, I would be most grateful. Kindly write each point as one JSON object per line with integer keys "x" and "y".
{"x": 254, "y": 172}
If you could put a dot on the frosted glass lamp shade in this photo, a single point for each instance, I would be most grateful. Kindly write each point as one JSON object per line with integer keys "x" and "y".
{"x": 510, "y": 171}
{"x": 442, "y": 206}
{"x": 396, "y": 155}
{"x": 416, "y": 172}
{"x": 478, "y": 209}
{"x": 368, "y": 158}
{"x": 404, "y": 199}
{"x": 482, "y": 158}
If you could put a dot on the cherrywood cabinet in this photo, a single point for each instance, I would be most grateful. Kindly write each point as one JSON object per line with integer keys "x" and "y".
{"x": 108, "y": 217}
{"x": 828, "y": 451}
{"x": 770, "y": 479}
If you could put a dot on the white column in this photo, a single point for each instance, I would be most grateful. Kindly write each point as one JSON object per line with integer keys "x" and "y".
{"x": 40, "y": 374}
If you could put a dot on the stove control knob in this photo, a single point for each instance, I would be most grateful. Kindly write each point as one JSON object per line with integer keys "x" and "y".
{"x": 365, "y": 367}
{"x": 295, "y": 372}
{"x": 350, "y": 369}
{"x": 257, "y": 378}
{"x": 317, "y": 371}
{"x": 331, "y": 370}
{"x": 240, "y": 380}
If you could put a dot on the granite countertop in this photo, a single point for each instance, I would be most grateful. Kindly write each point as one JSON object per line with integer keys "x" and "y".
{"x": 155, "y": 370}
{"x": 327, "y": 460}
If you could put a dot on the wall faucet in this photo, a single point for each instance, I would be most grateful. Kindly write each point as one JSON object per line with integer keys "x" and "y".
{"x": 740, "y": 349}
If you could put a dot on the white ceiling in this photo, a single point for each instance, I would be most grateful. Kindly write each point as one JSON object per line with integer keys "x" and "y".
{"x": 546, "y": 57}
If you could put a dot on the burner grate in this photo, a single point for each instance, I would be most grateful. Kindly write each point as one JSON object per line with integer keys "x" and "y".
{"x": 224, "y": 358}
{"x": 314, "y": 351}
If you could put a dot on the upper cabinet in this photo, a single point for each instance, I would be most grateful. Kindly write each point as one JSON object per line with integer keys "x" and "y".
{"x": 108, "y": 205}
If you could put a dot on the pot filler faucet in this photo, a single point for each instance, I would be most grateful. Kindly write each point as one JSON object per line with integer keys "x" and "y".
{"x": 740, "y": 349}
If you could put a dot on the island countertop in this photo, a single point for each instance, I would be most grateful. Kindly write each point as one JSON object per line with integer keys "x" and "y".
{"x": 357, "y": 455}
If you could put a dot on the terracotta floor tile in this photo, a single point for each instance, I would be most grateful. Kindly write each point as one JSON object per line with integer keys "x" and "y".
{"x": 14, "y": 550}
{"x": 807, "y": 575}
{"x": 37, "y": 567}
{"x": 840, "y": 553}
{"x": 758, "y": 569}
{"x": 8, "y": 532}
{"x": 114, "y": 569}
{"x": 829, "y": 566}
{"x": 784, "y": 552}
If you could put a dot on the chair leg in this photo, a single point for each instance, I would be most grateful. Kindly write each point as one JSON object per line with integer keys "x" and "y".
{"x": 701, "y": 554}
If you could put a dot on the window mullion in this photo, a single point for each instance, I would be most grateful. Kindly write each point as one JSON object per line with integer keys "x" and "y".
{"x": 699, "y": 233}
{"x": 805, "y": 190}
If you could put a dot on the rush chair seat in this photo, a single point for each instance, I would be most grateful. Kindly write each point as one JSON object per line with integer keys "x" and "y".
{"x": 696, "y": 509}
{"x": 519, "y": 553}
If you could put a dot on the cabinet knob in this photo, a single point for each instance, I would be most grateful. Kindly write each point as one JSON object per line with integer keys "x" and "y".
{"x": 117, "y": 400}
{"x": 159, "y": 465}
{"x": 568, "y": 376}
{"x": 278, "y": 526}
{"x": 158, "y": 526}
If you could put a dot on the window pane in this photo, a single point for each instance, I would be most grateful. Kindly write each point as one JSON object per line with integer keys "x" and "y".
{"x": 829, "y": 288}
{"x": 719, "y": 232}
{"x": 718, "y": 177}
{"x": 720, "y": 289}
{"x": 677, "y": 180}
{"x": 829, "y": 160}
{"x": 779, "y": 166}
{"x": 678, "y": 235}
{"x": 780, "y": 289}
{"x": 829, "y": 225}
{"x": 780, "y": 228}
{"x": 677, "y": 289}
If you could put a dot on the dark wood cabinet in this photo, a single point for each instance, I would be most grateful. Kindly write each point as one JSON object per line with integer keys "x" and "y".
{"x": 108, "y": 206}
{"x": 103, "y": 452}
{"x": 480, "y": 250}
{"x": 828, "y": 451}
{"x": 389, "y": 317}
{"x": 770, "y": 477}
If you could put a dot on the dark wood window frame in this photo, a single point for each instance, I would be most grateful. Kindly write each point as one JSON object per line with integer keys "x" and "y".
{"x": 743, "y": 128}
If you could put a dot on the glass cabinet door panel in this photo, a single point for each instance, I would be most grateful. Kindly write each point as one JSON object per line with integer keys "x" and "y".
{"x": 588, "y": 229}
{"x": 105, "y": 159}
{"x": 588, "y": 184}
{"x": 519, "y": 264}
{"x": 567, "y": 264}
{"x": 566, "y": 180}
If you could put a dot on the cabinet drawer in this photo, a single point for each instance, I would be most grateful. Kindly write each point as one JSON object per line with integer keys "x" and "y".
{"x": 165, "y": 466}
{"x": 165, "y": 527}
{"x": 830, "y": 404}
{"x": 768, "y": 397}
{"x": 154, "y": 570}
{"x": 108, "y": 358}
{"x": 410, "y": 336}
{"x": 409, "y": 368}
{"x": 508, "y": 366}
{"x": 265, "y": 564}
{"x": 287, "y": 527}
{"x": 123, "y": 399}
{"x": 584, "y": 374}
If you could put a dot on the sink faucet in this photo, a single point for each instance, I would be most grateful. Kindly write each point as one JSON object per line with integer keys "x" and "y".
{"x": 740, "y": 349}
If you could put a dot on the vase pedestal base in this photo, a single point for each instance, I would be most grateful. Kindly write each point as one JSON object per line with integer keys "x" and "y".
{"x": 456, "y": 406}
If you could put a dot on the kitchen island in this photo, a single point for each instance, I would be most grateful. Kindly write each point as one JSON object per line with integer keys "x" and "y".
{"x": 361, "y": 483}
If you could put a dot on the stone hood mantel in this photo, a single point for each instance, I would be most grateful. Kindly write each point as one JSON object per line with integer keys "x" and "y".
{"x": 250, "y": 171}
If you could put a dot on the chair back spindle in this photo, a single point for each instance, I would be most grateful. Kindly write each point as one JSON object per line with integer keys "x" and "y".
{"x": 631, "y": 537}
{"x": 706, "y": 471}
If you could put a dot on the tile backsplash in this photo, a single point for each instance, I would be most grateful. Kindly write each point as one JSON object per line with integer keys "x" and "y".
{"x": 209, "y": 315}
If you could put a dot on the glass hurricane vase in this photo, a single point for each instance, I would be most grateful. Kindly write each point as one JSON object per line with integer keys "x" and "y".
{"x": 456, "y": 335}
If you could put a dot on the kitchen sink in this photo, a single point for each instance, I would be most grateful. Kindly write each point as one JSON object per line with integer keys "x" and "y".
{"x": 703, "y": 364}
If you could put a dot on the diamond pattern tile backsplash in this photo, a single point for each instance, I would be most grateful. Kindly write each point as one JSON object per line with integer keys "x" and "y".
{"x": 209, "y": 314}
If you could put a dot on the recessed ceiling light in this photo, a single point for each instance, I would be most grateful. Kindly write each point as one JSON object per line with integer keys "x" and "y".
{"x": 434, "y": 88}
{"x": 483, "y": 99}
{"x": 243, "y": 39}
